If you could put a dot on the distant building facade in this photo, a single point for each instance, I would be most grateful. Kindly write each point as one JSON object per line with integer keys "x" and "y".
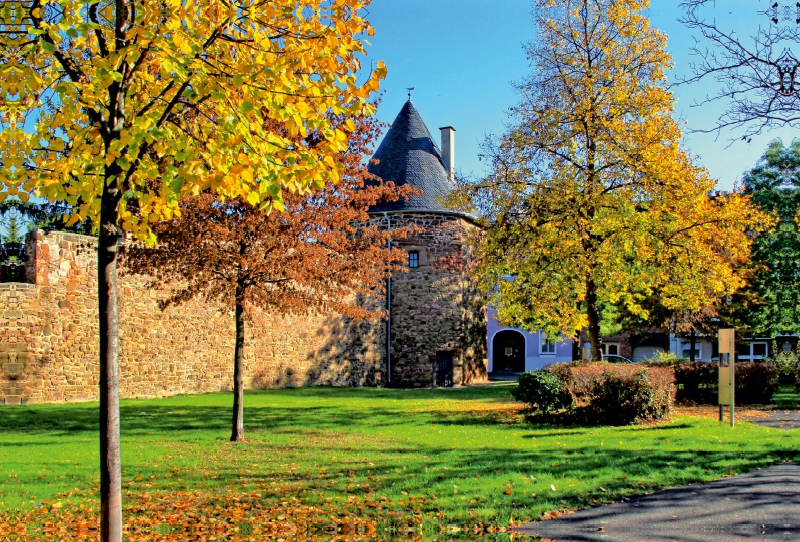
{"x": 515, "y": 350}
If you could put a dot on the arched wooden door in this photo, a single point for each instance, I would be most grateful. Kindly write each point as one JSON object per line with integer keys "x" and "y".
{"x": 508, "y": 352}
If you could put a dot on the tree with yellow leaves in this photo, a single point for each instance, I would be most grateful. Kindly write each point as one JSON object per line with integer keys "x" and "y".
{"x": 591, "y": 202}
{"x": 121, "y": 108}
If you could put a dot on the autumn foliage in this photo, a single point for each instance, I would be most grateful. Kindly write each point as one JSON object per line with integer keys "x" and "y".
{"x": 321, "y": 254}
{"x": 592, "y": 202}
{"x": 121, "y": 108}
{"x": 124, "y": 87}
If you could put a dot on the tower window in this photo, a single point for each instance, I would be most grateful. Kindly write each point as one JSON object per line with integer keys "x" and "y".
{"x": 413, "y": 259}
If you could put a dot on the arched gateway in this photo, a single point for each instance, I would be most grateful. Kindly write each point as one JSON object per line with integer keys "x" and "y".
{"x": 508, "y": 352}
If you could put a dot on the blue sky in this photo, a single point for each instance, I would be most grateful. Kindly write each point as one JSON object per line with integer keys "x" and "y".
{"x": 462, "y": 55}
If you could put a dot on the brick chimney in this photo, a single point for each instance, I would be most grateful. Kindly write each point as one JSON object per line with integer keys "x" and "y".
{"x": 449, "y": 150}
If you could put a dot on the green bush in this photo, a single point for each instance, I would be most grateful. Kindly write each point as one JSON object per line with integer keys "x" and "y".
{"x": 797, "y": 377}
{"x": 625, "y": 397}
{"x": 665, "y": 359}
{"x": 542, "y": 391}
{"x": 785, "y": 362}
{"x": 698, "y": 382}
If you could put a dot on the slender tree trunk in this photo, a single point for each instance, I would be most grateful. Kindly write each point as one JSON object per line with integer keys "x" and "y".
{"x": 692, "y": 343}
{"x": 237, "y": 432}
{"x": 110, "y": 465}
{"x": 593, "y": 315}
{"x": 113, "y": 185}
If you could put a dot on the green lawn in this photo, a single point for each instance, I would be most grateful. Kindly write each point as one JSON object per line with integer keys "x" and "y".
{"x": 786, "y": 397}
{"x": 462, "y": 457}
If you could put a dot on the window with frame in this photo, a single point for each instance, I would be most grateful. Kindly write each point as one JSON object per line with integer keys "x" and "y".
{"x": 687, "y": 350}
{"x": 413, "y": 259}
{"x": 752, "y": 351}
{"x": 548, "y": 347}
{"x": 610, "y": 349}
{"x": 743, "y": 350}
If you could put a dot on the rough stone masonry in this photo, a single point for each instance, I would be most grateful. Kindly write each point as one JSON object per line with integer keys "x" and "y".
{"x": 49, "y": 332}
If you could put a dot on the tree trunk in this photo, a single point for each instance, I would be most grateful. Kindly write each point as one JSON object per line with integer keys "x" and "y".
{"x": 692, "y": 343}
{"x": 593, "y": 315}
{"x": 237, "y": 432}
{"x": 110, "y": 465}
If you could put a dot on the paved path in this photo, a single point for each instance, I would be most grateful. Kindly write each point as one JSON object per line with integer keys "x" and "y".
{"x": 761, "y": 505}
{"x": 780, "y": 419}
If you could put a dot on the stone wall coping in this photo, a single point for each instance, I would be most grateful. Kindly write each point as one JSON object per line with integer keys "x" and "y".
{"x": 67, "y": 236}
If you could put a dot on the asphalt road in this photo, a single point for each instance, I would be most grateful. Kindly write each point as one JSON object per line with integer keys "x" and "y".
{"x": 779, "y": 419}
{"x": 761, "y": 505}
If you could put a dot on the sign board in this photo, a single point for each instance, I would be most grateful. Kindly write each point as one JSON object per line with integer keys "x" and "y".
{"x": 727, "y": 354}
{"x": 727, "y": 341}
{"x": 725, "y": 395}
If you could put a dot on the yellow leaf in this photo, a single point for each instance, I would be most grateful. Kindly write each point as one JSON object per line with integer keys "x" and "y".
{"x": 253, "y": 198}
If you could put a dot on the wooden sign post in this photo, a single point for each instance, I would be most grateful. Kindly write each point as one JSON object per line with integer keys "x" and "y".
{"x": 727, "y": 353}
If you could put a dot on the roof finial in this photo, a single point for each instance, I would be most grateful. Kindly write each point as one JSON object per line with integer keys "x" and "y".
{"x": 409, "y": 89}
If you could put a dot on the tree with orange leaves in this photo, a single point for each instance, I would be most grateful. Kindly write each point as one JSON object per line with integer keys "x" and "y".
{"x": 322, "y": 253}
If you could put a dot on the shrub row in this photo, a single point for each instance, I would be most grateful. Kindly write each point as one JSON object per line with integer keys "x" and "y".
{"x": 599, "y": 392}
{"x": 698, "y": 382}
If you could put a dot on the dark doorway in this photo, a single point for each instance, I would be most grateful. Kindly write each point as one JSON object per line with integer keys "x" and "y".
{"x": 508, "y": 352}
{"x": 444, "y": 369}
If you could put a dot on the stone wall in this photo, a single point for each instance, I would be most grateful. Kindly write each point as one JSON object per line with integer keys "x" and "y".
{"x": 49, "y": 345}
{"x": 436, "y": 311}
{"x": 48, "y": 337}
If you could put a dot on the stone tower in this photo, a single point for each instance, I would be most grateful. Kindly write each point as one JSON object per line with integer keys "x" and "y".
{"x": 436, "y": 331}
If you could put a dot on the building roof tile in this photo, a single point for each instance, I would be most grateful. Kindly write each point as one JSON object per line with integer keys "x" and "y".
{"x": 409, "y": 156}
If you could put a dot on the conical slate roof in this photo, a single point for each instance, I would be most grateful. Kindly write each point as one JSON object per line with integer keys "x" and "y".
{"x": 408, "y": 155}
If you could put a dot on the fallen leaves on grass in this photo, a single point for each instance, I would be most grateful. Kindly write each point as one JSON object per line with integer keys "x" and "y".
{"x": 172, "y": 516}
{"x": 176, "y": 516}
{"x": 712, "y": 412}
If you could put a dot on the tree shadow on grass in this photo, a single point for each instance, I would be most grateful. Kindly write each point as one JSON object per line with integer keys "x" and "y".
{"x": 166, "y": 420}
{"x": 493, "y": 392}
{"x": 340, "y": 408}
{"x": 429, "y": 475}
{"x": 177, "y": 420}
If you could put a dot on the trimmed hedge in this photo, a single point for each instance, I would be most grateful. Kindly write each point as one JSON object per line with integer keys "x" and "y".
{"x": 698, "y": 382}
{"x": 621, "y": 397}
{"x": 756, "y": 383}
{"x": 601, "y": 392}
{"x": 542, "y": 391}
{"x": 578, "y": 380}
